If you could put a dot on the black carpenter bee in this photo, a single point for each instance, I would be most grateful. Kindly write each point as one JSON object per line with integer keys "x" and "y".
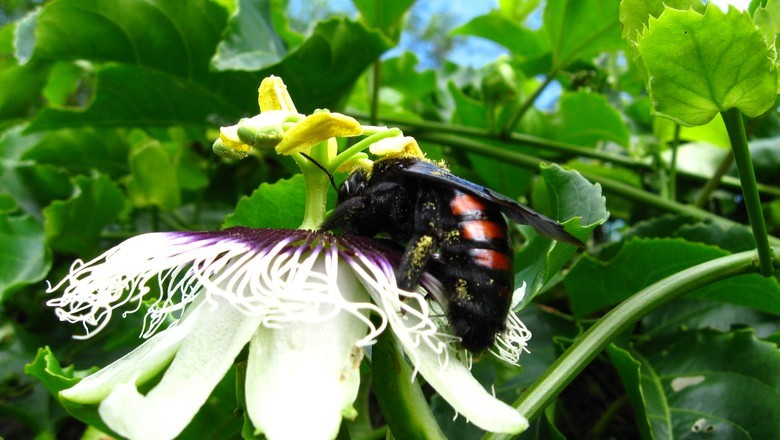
{"x": 454, "y": 228}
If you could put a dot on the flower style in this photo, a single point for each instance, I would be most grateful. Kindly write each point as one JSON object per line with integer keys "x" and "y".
{"x": 301, "y": 299}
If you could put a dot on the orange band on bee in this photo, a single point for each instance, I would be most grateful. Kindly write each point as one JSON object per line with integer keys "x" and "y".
{"x": 465, "y": 203}
{"x": 482, "y": 230}
{"x": 489, "y": 258}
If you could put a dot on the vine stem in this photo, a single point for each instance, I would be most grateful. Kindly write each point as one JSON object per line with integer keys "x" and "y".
{"x": 619, "y": 320}
{"x": 512, "y": 123}
{"x": 673, "y": 164}
{"x": 739, "y": 146}
{"x": 400, "y": 398}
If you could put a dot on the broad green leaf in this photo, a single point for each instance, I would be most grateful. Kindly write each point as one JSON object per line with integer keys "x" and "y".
{"x": 573, "y": 196}
{"x": 696, "y": 314}
{"x": 139, "y": 96}
{"x": 172, "y": 37}
{"x": 595, "y": 284}
{"x": 713, "y": 132}
{"x": 74, "y": 225}
{"x": 163, "y": 50}
{"x": 767, "y": 19}
{"x": 581, "y": 206}
{"x": 24, "y": 257}
{"x": 191, "y": 173}
{"x": 47, "y": 369}
{"x": 586, "y": 118}
{"x": 732, "y": 238}
{"x": 401, "y": 74}
{"x": 385, "y": 15}
{"x": 333, "y": 58}
{"x": 154, "y": 176}
{"x": 637, "y": 383}
{"x": 7, "y": 203}
{"x": 698, "y": 65}
{"x": 517, "y": 10}
{"x": 494, "y": 26}
{"x": 277, "y": 205}
{"x": 581, "y": 29}
{"x": 20, "y": 100}
{"x": 80, "y": 151}
{"x": 722, "y": 385}
{"x": 634, "y": 14}
{"x": 250, "y": 41}
{"x": 621, "y": 207}
{"x": 64, "y": 81}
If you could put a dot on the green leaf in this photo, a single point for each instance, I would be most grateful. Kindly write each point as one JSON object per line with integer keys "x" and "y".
{"x": 621, "y": 207}
{"x": 594, "y": 284}
{"x": 497, "y": 27}
{"x": 517, "y": 9}
{"x": 637, "y": 383}
{"x": 586, "y": 119}
{"x": 74, "y": 225}
{"x": 80, "y": 151}
{"x": 713, "y": 132}
{"x": 733, "y": 238}
{"x": 767, "y": 19}
{"x": 24, "y": 257}
{"x": 21, "y": 100}
{"x": 719, "y": 385}
{"x": 138, "y": 96}
{"x": 699, "y": 65}
{"x": 7, "y": 204}
{"x": 580, "y": 203}
{"x": 277, "y": 205}
{"x": 154, "y": 178}
{"x": 634, "y": 14}
{"x": 46, "y": 368}
{"x": 696, "y": 314}
{"x": 250, "y": 41}
{"x": 333, "y": 58}
{"x": 401, "y": 74}
{"x": 386, "y": 15}
{"x": 128, "y": 33}
{"x": 64, "y": 81}
{"x": 581, "y": 29}
{"x": 163, "y": 50}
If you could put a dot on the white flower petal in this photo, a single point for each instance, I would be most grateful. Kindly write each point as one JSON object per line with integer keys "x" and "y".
{"x": 303, "y": 378}
{"x": 454, "y": 382}
{"x": 217, "y": 336}
{"x": 136, "y": 367}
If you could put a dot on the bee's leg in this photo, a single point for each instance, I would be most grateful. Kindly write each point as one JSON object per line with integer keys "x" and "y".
{"x": 423, "y": 244}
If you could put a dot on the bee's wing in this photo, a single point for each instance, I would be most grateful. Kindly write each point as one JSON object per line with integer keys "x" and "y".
{"x": 516, "y": 212}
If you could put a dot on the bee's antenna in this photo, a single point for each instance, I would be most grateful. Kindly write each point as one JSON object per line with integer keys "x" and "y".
{"x": 330, "y": 176}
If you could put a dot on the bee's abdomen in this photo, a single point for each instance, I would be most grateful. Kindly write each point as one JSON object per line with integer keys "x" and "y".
{"x": 478, "y": 270}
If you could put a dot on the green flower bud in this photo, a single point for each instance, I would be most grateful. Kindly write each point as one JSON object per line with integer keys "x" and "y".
{"x": 225, "y": 151}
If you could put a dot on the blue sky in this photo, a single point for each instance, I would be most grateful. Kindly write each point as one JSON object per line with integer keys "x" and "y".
{"x": 474, "y": 52}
